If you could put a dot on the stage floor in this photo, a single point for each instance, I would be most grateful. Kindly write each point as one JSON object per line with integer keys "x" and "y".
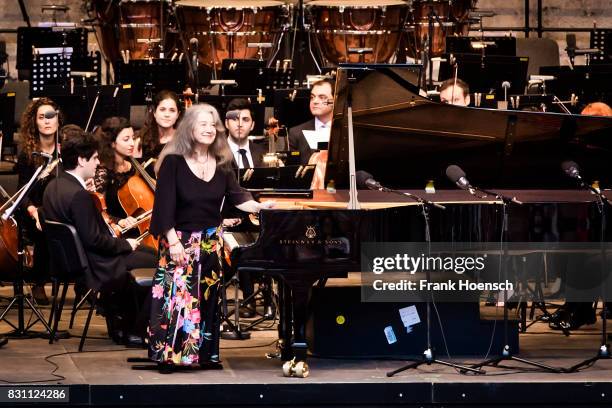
{"x": 101, "y": 375}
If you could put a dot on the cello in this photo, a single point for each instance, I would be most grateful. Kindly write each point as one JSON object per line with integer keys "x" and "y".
{"x": 136, "y": 197}
{"x": 9, "y": 230}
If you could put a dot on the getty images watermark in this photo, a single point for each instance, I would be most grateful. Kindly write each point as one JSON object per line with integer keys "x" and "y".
{"x": 462, "y": 272}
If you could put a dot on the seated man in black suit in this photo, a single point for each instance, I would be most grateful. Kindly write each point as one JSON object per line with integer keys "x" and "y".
{"x": 66, "y": 200}
{"x": 322, "y": 108}
{"x": 239, "y": 123}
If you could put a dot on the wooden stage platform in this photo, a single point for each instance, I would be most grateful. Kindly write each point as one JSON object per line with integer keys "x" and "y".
{"x": 101, "y": 376}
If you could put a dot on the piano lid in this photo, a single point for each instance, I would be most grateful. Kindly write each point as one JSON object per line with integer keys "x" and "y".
{"x": 404, "y": 139}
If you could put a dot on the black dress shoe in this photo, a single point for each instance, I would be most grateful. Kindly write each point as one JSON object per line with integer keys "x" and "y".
{"x": 211, "y": 365}
{"x": 246, "y": 313}
{"x": 133, "y": 341}
{"x": 3, "y": 341}
{"x": 165, "y": 368}
{"x": 558, "y": 315}
{"x": 574, "y": 321}
{"x": 270, "y": 312}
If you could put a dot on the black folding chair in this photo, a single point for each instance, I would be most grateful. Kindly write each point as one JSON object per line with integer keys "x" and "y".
{"x": 69, "y": 263}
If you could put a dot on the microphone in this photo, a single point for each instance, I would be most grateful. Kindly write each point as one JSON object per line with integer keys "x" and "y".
{"x": 506, "y": 85}
{"x": 457, "y": 176}
{"x": 51, "y": 114}
{"x": 44, "y": 155}
{"x": 570, "y": 41}
{"x": 193, "y": 45}
{"x": 366, "y": 180}
{"x": 571, "y": 169}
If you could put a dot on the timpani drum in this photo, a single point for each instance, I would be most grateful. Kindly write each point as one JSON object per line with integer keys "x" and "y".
{"x": 418, "y": 29}
{"x": 460, "y": 11}
{"x": 448, "y": 16}
{"x": 224, "y": 28}
{"x": 342, "y": 26}
{"x": 137, "y": 26}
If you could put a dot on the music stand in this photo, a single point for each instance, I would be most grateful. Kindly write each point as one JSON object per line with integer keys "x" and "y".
{"x": 147, "y": 77}
{"x": 493, "y": 45}
{"x": 291, "y": 106}
{"x": 114, "y": 100}
{"x": 7, "y": 120}
{"x": 484, "y": 73}
{"x": 588, "y": 82}
{"x": 253, "y": 75}
{"x": 46, "y": 37}
{"x": 602, "y": 40}
{"x": 278, "y": 179}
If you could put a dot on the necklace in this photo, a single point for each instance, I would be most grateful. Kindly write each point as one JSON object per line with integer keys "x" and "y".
{"x": 203, "y": 165}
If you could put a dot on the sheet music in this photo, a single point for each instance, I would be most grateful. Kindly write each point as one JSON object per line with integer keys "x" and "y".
{"x": 313, "y": 137}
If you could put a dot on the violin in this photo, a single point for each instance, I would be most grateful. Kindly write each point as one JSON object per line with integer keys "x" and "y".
{"x": 136, "y": 198}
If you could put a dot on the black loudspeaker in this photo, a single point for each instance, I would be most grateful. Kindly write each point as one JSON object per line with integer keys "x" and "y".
{"x": 340, "y": 325}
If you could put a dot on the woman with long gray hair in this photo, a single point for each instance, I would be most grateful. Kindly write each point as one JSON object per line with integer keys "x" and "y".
{"x": 194, "y": 176}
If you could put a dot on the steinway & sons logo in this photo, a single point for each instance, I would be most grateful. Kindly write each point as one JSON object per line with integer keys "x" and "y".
{"x": 310, "y": 232}
{"x": 310, "y": 239}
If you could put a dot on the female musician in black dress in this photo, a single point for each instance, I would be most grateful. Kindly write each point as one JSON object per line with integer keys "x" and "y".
{"x": 194, "y": 178}
{"x": 159, "y": 127}
{"x": 39, "y": 125}
{"x": 116, "y": 138}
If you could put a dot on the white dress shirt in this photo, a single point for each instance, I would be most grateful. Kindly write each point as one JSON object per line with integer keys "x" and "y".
{"x": 79, "y": 178}
{"x": 237, "y": 156}
{"x": 321, "y": 125}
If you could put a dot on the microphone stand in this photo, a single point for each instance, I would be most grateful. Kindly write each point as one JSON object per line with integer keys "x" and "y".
{"x": 429, "y": 356}
{"x": 506, "y": 353}
{"x": 603, "y": 353}
{"x": 19, "y": 298}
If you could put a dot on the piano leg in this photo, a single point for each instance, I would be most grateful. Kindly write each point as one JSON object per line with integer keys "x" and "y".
{"x": 285, "y": 321}
{"x": 300, "y": 295}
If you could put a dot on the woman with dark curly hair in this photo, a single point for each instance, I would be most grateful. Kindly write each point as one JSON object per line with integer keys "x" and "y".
{"x": 160, "y": 125}
{"x": 39, "y": 125}
{"x": 116, "y": 146}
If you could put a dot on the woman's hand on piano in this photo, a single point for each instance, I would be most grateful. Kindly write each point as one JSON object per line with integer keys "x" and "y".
{"x": 266, "y": 205}
{"x": 231, "y": 222}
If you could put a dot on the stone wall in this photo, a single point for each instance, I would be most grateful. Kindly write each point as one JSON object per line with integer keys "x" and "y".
{"x": 510, "y": 13}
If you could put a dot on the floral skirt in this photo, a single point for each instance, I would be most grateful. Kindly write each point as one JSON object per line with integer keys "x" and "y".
{"x": 184, "y": 324}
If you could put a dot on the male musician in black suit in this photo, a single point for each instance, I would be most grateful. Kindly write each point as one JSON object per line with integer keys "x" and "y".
{"x": 240, "y": 123}
{"x": 322, "y": 108}
{"x": 455, "y": 91}
{"x": 66, "y": 200}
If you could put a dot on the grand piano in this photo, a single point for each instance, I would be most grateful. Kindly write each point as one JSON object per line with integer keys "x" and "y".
{"x": 406, "y": 141}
